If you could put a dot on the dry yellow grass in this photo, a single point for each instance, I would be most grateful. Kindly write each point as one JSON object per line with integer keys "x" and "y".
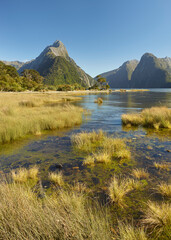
{"x": 99, "y": 100}
{"x": 87, "y": 140}
{"x": 158, "y": 216}
{"x": 102, "y": 157}
{"x": 20, "y": 118}
{"x": 89, "y": 160}
{"x": 20, "y": 175}
{"x": 164, "y": 189}
{"x": 155, "y": 117}
{"x": 161, "y": 166}
{"x": 129, "y": 232}
{"x": 140, "y": 173}
{"x": 118, "y": 189}
{"x": 33, "y": 172}
{"x": 56, "y": 178}
{"x": 64, "y": 216}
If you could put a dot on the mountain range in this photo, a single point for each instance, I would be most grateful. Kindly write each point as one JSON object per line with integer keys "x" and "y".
{"x": 149, "y": 72}
{"x": 55, "y": 65}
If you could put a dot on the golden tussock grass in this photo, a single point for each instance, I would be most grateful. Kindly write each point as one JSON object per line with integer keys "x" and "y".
{"x": 21, "y": 175}
{"x": 99, "y": 100}
{"x": 155, "y": 117}
{"x": 164, "y": 189}
{"x": 129, "y": 232}
{"x": 87, "y": 140}
{"x": 56, "y": 178}
{"x": 140, "y": 173}
{"x": 158, "y": 217}
{"x": 64, "y": 215}
{"x": 89, "y": 161}
{"x": 161, "y": 166}
{"x": 20, "y": 118}
{"x": 118, "y": 189}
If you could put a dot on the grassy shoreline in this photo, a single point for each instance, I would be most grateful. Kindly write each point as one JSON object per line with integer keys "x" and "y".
{"x": 32, "y": 113}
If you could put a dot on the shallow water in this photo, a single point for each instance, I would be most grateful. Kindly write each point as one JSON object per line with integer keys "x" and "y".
{"x": 55, "y": 147}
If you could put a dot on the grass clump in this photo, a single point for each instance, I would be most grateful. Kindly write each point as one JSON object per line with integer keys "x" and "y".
{"x": 56, "y": 178}
{"x": 164, "y": 189}
{"x": 86, "y": 141}
{"x": 158, "y": 216}
{"x": 155, "y": 117}
{"x": 33, "y": 172}
{"x": 99, "y": 100}
{"x": 129, "y": 232}
{"x": 161, "y": 166}
{"x": 140, "y": 174}
{"x": 118, "y": 189}
{"x": 65, "y": 216}
{"x": 89, "y": 161}
{"x": 20, "y": 175}
{"x": 102, "y": 157}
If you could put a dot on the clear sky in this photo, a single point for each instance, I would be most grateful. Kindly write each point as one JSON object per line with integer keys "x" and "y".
{"x": 98, "y": 34}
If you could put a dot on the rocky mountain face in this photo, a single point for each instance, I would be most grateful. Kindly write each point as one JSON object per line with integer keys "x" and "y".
{"x": 120, "y": 77}
{"x": 55, "y": 65}
{"x": 150, "y": 72}
{"x": 16, "y": 64}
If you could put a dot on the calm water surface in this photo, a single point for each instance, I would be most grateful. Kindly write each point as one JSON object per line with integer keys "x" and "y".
{"x": 146, "y": 146}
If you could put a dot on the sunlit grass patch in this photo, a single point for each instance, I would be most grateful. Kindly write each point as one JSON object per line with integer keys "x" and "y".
{"x": 56, "y": 178}
{"x": 164, "y": 189}
{"x": 158, "y": 217}
{"x": 155, "y": 117}
{"x": 118, "y": 189}
{"x": 129, "y": 232}
{"x": 20, "y": 175}
{"x": 65, "y": 215}
{"x": 89, "y": 160}
{"x": 161, "y": 166}
{"x": 99, "y": 100}
{"x": 27, "y": 103}
{"x": 102, "y": 157}
{"x": 87, "y": 140}
{"x": 33, "y": 172}
{"x": 140, "y": 173}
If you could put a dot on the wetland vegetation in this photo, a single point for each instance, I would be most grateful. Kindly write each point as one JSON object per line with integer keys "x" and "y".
{"x": 96, "y": 181}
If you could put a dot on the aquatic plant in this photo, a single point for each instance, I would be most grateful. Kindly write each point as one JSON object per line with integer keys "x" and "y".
{"x": 161, "y": 166}
{"x": 56, "y": 178}
{"x": 99, "y": 100}
{"x": 87, "y": 140}
{"x": 155, "y": 117}
{"x": 140, "y": 173}
{"x": 158, "y": 217}
{"x": 164, "y": 189}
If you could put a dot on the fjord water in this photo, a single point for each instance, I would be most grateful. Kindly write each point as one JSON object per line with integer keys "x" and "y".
{"x": 146, "y": 146}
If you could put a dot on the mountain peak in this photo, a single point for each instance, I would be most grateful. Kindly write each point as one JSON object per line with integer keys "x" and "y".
{"x": 59, "y": 49}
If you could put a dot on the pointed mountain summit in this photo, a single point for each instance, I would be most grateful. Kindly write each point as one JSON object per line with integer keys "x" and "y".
{"x": 55, "y": 65}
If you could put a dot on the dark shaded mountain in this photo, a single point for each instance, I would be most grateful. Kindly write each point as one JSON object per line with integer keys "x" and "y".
{"x": 16, "y": 64}
{"x": 120, "y": 77}
{"x": 152, "y": 72}
{"x": 55, "y": 65}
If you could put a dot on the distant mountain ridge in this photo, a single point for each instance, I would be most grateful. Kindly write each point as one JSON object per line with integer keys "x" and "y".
{"x": 149, "y": 72}
{"x": 55, "y": 65}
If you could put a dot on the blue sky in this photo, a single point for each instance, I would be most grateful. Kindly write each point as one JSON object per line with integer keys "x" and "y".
{"x": 99, "y": 35}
